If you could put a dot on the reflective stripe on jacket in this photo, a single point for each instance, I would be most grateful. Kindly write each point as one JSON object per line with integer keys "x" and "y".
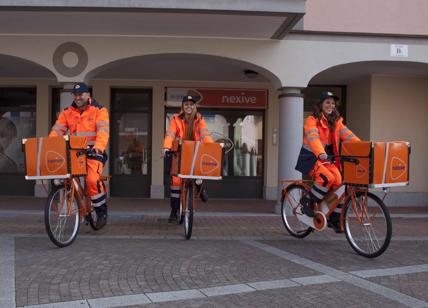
{"x": 317, "y": 136}
{"x": 93, "y": 123}
{"x": 177, "y": 129}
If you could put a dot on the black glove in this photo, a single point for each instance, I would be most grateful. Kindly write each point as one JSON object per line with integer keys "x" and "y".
{"x": 93, "y": 154}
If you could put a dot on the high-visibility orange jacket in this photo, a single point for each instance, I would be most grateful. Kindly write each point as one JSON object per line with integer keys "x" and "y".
{"x": 92, "y": 122}
{"x": 317, "y": 136}
{"x": 177, "y": 129}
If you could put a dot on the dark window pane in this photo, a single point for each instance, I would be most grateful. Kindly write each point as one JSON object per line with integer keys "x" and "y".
{"x": 17, "y": 121}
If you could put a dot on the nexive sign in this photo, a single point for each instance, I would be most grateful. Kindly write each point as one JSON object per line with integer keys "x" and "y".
{"x": 219, "y": 98}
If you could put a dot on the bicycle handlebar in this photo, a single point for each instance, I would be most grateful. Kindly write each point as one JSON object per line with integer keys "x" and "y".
{"x": 350, "y": 159}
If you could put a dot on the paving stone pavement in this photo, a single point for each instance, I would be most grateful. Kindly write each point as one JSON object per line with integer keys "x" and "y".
{"x": 101, "y": 268}
{"x": 140, "y": 257}
{"x": 342, "y": 257}
{"x": 332, "y": 295}
{"x": 415, "y": 285}
{"x": 232, "y": 226}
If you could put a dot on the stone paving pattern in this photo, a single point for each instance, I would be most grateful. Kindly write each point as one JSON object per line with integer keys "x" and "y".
{"x": 415, "y": 285}
{"x": 340, "y": 255}
{"x": 269, "y": 227}
{"x": 91, "y": 268}
{"x": 120, "y": 259}
{"x": 329, "y": 295}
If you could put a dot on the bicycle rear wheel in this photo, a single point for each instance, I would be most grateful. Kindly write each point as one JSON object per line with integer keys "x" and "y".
{"x": 368, "y": 225}
{"x": 188, "y": 212}
{"x": 290, "y": 203}
{"x": 62, "y": 219}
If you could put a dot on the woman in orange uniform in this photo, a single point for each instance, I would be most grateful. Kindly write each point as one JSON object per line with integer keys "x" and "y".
{"x": 187, "y": 125}
{"x": 323, "y": 131}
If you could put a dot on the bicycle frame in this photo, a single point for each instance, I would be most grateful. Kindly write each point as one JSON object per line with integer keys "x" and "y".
{"x": 327, "y": 206}
{"x": 78, "y": 193}
{"x": 185, "y": 185}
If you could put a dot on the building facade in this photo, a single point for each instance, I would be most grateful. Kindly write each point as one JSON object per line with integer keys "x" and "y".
{"x": 259, "y": 66}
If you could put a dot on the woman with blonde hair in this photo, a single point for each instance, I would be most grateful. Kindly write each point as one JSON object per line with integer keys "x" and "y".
{"x": 187, "y": 125}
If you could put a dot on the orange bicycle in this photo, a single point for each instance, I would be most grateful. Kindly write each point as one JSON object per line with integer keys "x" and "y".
{"x": 365, "y": 219}
{"x": 62, "y": 160}
{"x": 67, "y": 206}
{"x": 193, "y": 162}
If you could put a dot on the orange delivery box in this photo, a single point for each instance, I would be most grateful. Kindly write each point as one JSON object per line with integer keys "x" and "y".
{"x": 194, "y": 159}
{"x": 380, "y": 164}
{"x": 55, "y": 157}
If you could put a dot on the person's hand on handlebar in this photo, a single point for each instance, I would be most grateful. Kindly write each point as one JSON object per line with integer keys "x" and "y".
{"x": 323, "y": 158}
{"x": 164, "y": 151}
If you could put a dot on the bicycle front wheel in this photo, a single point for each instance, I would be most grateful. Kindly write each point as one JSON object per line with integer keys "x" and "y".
{"x": 62, "y": 219}
{"x": 290, "y": 209}
{"x": 188, "y": 212}
{"x": 368, "y": 225}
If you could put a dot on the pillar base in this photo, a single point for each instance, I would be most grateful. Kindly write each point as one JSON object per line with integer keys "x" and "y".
{"x": 39, "y": 190}
{"x": 157, "y": 192}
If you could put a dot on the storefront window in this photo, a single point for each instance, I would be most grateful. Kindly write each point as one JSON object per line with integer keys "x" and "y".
{"x": 248, "y": 140}
{"x": 17, "y": 121}
{"x": 245, "y": 130}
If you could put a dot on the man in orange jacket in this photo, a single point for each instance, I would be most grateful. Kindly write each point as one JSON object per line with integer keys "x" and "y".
{"x": 323, "y": 131}
{"x": 85, "y": 117}
{"x": 187, "y": 125}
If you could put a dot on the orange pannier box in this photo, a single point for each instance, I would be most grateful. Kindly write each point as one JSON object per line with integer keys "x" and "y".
{"x": 194, "y": 159}
{"x": 381, "y": 164}
{"x": 55, "y": 157}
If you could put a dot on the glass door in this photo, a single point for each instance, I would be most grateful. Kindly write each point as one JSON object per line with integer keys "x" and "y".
{"x": 130, "y": 146}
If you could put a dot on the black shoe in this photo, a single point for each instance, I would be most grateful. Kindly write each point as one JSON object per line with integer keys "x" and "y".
{"x": 101, "y": 216}
{"x": 334, "y": 223}
{"x": 204, "y": 195}
{"x": 173, "y": 216}
{"x": 307, "y": 206}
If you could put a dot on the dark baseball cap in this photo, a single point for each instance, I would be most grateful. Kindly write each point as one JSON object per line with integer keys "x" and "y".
{"x": 80, "y": 88}
{"x": 327, "y": 94}
{"x": 189, "y": 98}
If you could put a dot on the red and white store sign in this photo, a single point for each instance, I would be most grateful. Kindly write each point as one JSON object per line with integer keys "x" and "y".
{"x": 219, "y": 98}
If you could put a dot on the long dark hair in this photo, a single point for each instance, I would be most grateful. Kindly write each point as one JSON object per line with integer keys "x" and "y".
{"x": 331, "y": 118}
{"x": 190, "y": 133}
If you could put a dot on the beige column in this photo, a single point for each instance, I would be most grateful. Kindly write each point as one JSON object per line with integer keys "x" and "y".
{"x": 290, "y": 134}
{"x": 157, "y": 190}
{"x": 271, "y": 147}
{"x": 43, "y": 112}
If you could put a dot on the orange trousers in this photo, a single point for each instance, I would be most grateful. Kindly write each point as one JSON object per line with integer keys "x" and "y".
{"x": 326, "y": 175}
{"x": 94, "y": 186}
